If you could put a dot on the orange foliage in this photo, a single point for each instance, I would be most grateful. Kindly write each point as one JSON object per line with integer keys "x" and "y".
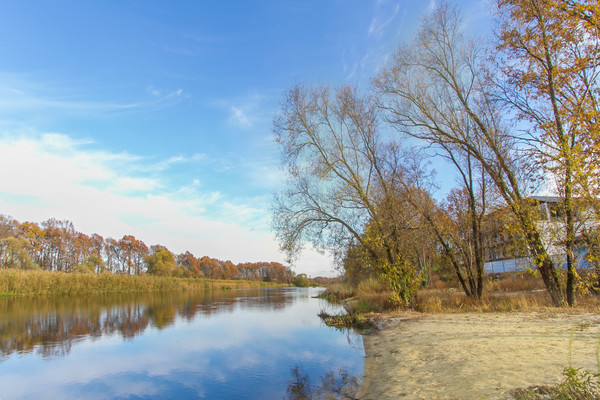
{"x": 57, "y": 246}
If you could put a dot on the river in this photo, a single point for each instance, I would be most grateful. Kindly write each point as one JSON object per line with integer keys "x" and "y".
{"x": 232, "y": 344}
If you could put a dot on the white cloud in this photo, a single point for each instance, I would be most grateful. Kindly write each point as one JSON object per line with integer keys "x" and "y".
{"x": 240, "y": 118}
{"x": 113, "y": 194}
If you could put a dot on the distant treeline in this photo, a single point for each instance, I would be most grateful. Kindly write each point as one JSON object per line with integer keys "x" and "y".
{"x": 55, "y": 245}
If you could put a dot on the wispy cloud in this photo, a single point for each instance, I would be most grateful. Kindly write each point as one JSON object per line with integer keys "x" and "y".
{"x": 381, "y": 21}
{"x": 19, "y": 93}
{"x": 245, "y": 111}
{"x": 240, "y": 117}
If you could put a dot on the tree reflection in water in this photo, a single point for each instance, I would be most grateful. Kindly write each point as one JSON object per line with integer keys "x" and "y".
{"x": 51, "y": 325}
{"x": 333, "y": 386}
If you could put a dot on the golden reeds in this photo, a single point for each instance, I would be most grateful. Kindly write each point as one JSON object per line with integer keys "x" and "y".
{"x": 19, "y": 282}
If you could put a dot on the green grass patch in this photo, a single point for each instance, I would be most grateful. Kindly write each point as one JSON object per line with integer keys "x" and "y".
{"x": 578, "y": 384}
{"x": 343, "y": 321}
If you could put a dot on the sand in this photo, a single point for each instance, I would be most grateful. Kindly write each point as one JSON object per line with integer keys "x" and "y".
{"x": 475, "y": 356}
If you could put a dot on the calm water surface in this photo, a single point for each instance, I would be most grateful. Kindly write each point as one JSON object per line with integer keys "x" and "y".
{"x": 238, "y": 344}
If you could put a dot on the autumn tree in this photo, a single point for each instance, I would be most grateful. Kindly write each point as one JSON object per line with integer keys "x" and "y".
{"x": 57, "y": 246}
{"x": 548, "y": 57}
{"x": 35, "y": 236}
{"x": 98, "y": 249}
{"x": 301, "y": 280}
{"x": 92, "y": 264}
{"x": 190, "y": 263}
{"x": 80, "y": 249}
{"x": 454, "y": 226}
{"x": 229, "y": 270}
{"x": 464, "y": 210}
{"x": 161, "y": 262}
{"x": 210, "y": 268}
{"x": 132, "y": 253}
{"x": 248, "y": 272}
{"x": 435, "y": 89}
{"x": 8, "y": 227}
{"x": 53, "y": 245}
{"x": 14, "y": 254}
{"x": 586, "y": 11}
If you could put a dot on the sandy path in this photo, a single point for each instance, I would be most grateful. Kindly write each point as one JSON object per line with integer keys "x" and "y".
{"x": 475, "y": 356}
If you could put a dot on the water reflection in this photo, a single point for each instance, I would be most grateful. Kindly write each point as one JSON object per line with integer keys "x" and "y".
{"x": 234, "y": 344}
{"x": 51, "y": 325}
{"x": 333, "y": 386}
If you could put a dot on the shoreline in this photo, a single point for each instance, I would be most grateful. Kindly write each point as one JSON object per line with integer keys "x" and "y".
{"x": 475, "y": 355}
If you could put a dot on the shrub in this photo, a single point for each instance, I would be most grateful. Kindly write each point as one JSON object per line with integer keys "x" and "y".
{"x": 301, "y": 281}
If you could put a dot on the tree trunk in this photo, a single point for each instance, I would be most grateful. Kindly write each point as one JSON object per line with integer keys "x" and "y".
{"x": 542, "y": 259}
{"x": 570, "y": 250}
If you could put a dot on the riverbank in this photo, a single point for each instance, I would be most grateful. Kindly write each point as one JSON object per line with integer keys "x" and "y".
{"x": 475, "y": 355}
{"x": 31, "y": 283}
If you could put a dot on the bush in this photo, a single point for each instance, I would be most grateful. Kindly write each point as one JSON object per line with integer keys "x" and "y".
{"x": 404, "y": 281}
{"x": 301, "y": 281}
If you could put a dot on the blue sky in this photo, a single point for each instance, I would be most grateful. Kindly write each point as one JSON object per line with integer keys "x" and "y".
{"x": 153, "y": 118}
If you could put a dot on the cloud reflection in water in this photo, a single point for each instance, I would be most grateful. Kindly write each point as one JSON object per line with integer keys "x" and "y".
{"x": 234, "y": 344}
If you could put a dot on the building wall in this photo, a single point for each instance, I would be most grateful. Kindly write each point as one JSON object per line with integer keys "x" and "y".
{"x": 505, "y": 251}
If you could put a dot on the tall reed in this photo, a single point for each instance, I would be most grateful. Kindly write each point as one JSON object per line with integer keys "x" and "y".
{"x": 18, "y": 282}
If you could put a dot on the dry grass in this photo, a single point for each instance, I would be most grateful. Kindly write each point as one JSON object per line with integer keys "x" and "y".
{"x": 519, "y": 291}
{"x": 448, "y": 301}
{"x": 431, "y": 300}
{"x": 371, "y": 295}
{"x": 18, "y": 282}
{"x": 374, "y": 295}
{"x": 338, "y": 291}
{"x": 514, "y": 282}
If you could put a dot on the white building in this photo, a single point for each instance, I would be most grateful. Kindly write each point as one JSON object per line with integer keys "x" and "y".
{"x": 508, "y": 252}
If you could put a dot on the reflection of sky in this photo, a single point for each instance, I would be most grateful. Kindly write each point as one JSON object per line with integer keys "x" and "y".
{"x": 246, "y": 352}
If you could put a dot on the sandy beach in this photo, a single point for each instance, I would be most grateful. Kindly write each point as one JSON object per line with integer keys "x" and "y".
{"x": 475, "y": 356}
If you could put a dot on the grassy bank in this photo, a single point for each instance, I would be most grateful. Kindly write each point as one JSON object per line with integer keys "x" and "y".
{"x": 28, "y": 283}
{"x": 509, "y": 292}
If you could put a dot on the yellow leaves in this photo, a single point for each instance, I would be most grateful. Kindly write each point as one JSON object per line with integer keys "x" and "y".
{"x": 553, "y": 82}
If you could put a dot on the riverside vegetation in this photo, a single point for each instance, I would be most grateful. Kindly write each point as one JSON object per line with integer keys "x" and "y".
{"x": 58, "y": 247}
{"x": 29, "y": 283}
{"x": 54, "y": 258}
{"x": 513, "y": 291}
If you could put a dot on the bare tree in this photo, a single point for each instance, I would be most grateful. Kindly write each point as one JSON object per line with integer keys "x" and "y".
{"x": 340, "y": 183}
{"x": 435, "y": 90}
